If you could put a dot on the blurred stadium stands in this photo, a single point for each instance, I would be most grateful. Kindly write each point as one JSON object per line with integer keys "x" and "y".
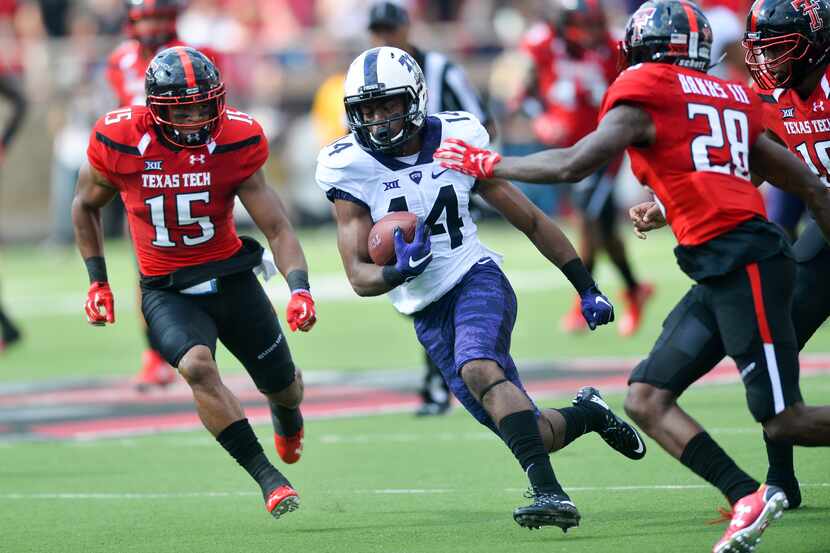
{"x": 275, "y": 56}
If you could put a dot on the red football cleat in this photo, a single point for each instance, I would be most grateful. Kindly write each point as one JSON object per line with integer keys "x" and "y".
{"x": 290, "y": 448}
{"x": 750, "y": 517}
{"x": 282, "y": 500}
{"x": 154, "y": 371}
{"x": 635, "y": 303}
{"x": 573, "y": 321}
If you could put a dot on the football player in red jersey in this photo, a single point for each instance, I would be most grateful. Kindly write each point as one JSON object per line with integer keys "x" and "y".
{"x": 787, "y": 52}
{"x": 151, "y": 27}
{"x": 693, "y": 139}
{"x": 573, "y": 61}
{"x": 178, "y": 164}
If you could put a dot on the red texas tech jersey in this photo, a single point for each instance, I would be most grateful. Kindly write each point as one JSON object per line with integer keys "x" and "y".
{"x": 802, "y": 124}
{"x": 698, "y": 166}
{"x": 179, "y": 201}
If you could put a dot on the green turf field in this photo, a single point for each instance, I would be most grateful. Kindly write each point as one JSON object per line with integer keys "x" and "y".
{"x": 388, "y": 484}
{"x": 45, "y": 289}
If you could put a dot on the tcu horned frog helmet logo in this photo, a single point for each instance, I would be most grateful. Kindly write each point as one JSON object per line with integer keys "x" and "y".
{"x": 810, "y": 9}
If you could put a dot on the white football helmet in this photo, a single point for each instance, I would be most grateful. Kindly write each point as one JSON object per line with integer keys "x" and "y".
{"x": 380, "y": 73}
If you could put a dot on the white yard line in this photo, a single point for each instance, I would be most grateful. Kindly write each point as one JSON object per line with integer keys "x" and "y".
{"x": 378, "y": 491}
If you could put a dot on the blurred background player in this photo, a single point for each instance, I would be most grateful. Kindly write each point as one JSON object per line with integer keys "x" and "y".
{"x": 450, "y": 90}
{"x": 10, "y": 92}
{"x": 573, "y": 59}
{"x": 151, "y": 27}
{"x": 186, "y": 157}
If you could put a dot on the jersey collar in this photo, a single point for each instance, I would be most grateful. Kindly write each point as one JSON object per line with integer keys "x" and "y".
{"x": 430, "y": 142}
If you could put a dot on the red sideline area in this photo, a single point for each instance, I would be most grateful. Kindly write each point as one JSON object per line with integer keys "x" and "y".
{"x": 321, "y": 401}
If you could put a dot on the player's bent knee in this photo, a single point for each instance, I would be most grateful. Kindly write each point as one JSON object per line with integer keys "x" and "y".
{"x": 480, "y": 373}
{"x": 643, "y": 402}
{"x": 197, "y": 366}
{"x": 787, "y": 426}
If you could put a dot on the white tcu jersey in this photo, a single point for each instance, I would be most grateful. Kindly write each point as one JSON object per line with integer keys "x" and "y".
{"x": 441, "y": 197}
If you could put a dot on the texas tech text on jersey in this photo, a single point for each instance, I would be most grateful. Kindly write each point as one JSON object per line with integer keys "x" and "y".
{"x": 179, "y": 201}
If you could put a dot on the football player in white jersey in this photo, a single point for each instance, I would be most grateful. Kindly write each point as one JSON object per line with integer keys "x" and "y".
{"x": 462, "y": 304}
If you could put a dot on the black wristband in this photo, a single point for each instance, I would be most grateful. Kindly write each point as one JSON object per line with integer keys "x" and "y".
{"x": 578, "y": 274}
{"x": 96, "y": 267}
{"x": 298, "y": 280}
{"x": 392, "y": 276}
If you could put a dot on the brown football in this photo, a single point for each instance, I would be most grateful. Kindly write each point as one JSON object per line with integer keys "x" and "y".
{"x": 382, "y": 239}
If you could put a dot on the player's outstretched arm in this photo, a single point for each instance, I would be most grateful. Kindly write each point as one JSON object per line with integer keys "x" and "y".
{"x": 552, "y": 243}
{"x": 778, "y": 166}
{"x": 621, "y": 127}
{"x": 269, "y": 215}
{"x": 93, "y": 192}
{"x": 353, "y": 225}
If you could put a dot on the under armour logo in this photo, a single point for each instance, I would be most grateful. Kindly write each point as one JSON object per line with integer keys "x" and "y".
{"x": 737, "y": 517}
{"x": 194, "y": 159}
{"x": 809, "y": 8}
{"x": 818, "y": 106}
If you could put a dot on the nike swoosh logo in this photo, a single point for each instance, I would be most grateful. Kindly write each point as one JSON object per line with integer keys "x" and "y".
{"x": 413, "y": 263}
{"x": 601, "y": 403}
{"x": 600, "y": 299}
{"x": 436, "y": 175}
{"x": 640, "y": 445}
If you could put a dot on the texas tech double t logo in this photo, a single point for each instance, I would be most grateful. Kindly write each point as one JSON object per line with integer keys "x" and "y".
{"x": 810, "y": 9}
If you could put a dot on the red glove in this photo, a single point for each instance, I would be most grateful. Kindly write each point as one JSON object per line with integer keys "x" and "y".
{"x": 459, "y": 156}
{"x": 98, "y": 296}
{"x": 300, "y": 312}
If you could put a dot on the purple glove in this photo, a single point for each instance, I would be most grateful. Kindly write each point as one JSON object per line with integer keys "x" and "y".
{"x": 412, "y": 257}
{"x": 596, "y": 308}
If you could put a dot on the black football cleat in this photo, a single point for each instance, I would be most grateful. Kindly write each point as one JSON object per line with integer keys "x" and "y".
{"x": 547, "y": 509}
{"x": 616, "y": 432}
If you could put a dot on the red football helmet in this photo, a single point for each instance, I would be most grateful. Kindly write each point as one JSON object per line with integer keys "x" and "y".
{"x": 153, "y": 22}
{"x": 582, "y": 24}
